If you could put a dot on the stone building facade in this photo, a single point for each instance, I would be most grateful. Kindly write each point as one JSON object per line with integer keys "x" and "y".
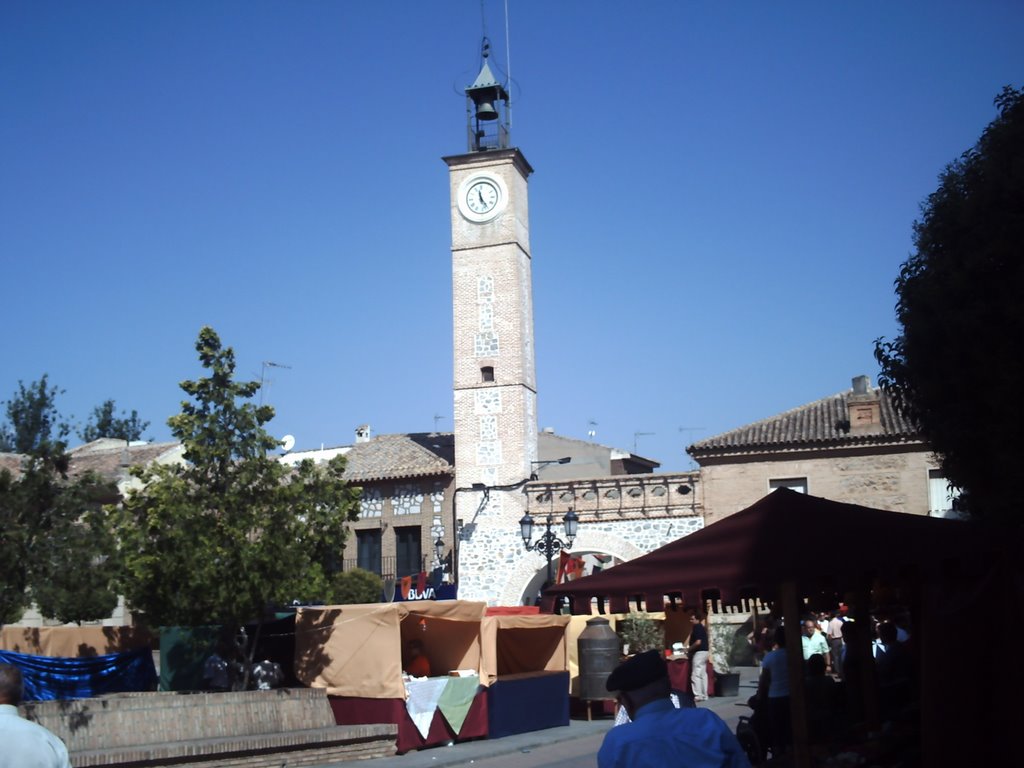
{"x": 410, "y": 501}
{"x": 853, "y": 446}
{"x": 405, "y": 505}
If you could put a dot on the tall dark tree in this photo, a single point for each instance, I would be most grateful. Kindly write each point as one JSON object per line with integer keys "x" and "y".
{"x": 232, "y": 531}
{"x": 957, "y": 368}
{"x": 55, "y": 544}
{"x": 105, "y": 423}
{"x": 33, "y": 423}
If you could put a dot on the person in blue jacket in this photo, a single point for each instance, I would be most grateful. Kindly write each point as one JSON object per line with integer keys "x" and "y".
{"x": 661, "y": 735}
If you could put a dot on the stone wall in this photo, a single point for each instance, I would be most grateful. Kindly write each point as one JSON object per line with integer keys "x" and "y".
{"x": 625, "y": 516}
{"x": 227, "y": 729}
{"x": 895, "y": 480}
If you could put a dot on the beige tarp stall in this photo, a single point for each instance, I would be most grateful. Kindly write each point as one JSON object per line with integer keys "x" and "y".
{"x": 523, "y": 643}
{"x": 73, "y": 641}
{"x": 356, "y": 650}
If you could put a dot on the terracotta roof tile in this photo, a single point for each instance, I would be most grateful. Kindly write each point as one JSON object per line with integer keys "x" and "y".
{"x": 815, "y": 425}
{"x": 11, "y": 462}
{"x": 388, "y": 457}
{"x": 110, "y": 459}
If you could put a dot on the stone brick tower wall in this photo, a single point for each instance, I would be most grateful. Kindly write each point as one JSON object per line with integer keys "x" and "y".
{"x": 495, "y": 389}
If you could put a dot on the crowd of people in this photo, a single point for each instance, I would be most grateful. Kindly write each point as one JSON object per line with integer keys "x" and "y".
{"x": 836, "y": 658}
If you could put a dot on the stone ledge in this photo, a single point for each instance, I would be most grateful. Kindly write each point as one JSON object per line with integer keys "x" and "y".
{"x": 246, "y": 729}
{"x": 310, "y": 747}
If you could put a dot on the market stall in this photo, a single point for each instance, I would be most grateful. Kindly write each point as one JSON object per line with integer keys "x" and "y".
{"x": 356, "y": 652}
{"x": 525, "y": 660}
{"x": 79, "y": 662}
{"x": 949, "y": 567}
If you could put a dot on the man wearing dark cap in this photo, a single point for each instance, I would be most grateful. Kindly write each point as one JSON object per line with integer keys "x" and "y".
{"x": 661, "y": 735}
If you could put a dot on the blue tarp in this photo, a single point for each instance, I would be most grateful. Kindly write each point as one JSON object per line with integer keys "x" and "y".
{"x": 48, "y": 677}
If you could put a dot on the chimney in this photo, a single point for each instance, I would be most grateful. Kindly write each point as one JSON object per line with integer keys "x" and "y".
{"x": 363, "y": 433}
{"x": 864, "y": 408}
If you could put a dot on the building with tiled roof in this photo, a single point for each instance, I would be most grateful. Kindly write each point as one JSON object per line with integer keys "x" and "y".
{"x": 109, "y": 458}
{"x": 113, "y": 459}
{"x": 409, "y": 501}
{"x": 853, "y": 446}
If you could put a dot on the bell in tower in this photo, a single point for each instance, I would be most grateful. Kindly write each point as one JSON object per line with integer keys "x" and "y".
{"x": 487, "y": 108}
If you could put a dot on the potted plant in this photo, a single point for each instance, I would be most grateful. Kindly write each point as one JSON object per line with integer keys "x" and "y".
{"x": 727, "y": 682}
{"x": 639, "y": 633}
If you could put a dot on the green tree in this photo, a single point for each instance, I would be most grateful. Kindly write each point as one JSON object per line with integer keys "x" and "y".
{"x": 957, "y": 368}
{"x": 353, "y": 587}
{"x": 33, "y": 423}
{"x": 55, "y": 545}
{"x": 232, "y": 531}
{"x": 104, "y": 423}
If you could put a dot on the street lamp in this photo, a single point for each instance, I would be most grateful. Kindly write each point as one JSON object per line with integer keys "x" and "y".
{"x": 547, "y": 544}
{"x": 537, "y": 466}
{"x": 439, "y": 549}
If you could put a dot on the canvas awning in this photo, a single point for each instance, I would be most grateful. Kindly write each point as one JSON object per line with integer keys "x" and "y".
{"x": 523, "y": 643}
{"x": 356, "y": 650}
{"x": 785, "y": 537}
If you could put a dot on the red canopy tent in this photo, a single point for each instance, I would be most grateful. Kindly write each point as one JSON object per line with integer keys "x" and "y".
{"x": 790, "y": 545}
{"x": 786, "y": 536}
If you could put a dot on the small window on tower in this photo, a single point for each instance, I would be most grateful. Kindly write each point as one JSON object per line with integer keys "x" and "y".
{"x": 487, "y": 373}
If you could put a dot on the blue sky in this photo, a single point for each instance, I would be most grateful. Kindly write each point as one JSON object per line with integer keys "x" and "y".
{"x": 723, "y": 195}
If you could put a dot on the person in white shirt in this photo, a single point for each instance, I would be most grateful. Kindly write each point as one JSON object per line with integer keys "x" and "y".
{"x": 25, "y": 744}
{"x": 814, "y": 642}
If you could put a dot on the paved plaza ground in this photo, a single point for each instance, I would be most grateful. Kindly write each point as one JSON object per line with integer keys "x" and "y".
{"x": 578, "y": 742}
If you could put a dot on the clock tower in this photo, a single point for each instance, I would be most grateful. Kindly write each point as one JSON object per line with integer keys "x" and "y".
{"x": 495, "y": 388}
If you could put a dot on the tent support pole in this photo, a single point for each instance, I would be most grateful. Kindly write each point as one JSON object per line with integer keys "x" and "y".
{"x": 868, "y": 682}
{"x": 795, "y": 662}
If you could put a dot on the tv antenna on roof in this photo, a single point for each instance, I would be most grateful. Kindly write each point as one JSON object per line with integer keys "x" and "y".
{"x": 637, "y": 436}
{"x": 263, "y": 374}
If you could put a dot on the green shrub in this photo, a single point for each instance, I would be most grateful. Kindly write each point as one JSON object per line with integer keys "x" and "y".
{"x": 355, "y": 586}
{"x": 642, "y": 633}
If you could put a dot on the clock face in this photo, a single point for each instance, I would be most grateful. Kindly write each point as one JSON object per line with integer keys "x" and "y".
{"x": 481, "y": 197}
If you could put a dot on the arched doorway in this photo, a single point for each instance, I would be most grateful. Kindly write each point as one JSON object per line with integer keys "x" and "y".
{"x": 582, "y": 563}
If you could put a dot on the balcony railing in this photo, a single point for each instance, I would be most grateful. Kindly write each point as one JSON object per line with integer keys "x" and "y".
{"x": 386, "y": 568}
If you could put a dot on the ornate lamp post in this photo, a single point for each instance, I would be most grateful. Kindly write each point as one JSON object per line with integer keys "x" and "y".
{"x": 548, "y": 543}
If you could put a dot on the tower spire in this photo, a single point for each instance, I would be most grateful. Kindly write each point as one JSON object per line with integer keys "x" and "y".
{"x": 487, "y": 108}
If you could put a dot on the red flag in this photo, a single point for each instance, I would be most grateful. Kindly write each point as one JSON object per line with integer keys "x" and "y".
{"x": 563, "y": 559}
{"x": 406, "y": 586}
{"x": 421, "y": 582}
{"x": 573, "y": 568}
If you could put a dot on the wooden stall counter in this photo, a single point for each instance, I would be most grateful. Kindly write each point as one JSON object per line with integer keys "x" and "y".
{"x": 679, "y": 675}
{"x": 437, "y": 710}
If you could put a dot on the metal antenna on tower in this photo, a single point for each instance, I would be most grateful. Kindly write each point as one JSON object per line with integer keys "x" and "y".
{"x": 437, "y": 418}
